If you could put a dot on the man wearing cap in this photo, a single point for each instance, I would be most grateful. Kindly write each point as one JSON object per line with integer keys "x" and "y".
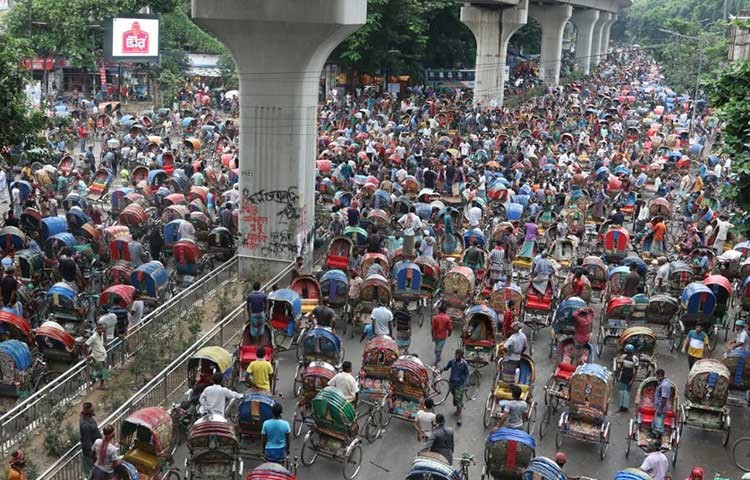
{"x": 742, "y": 340}
{"x": 89, "y": 432}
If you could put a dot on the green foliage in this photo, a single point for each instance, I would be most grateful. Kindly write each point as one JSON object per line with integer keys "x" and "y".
{"x": 179, "y": 32}
{"x": 229, "y": 71}
{"x": 528, "y": 38}
{"x": 59, "y": 438}
{"x": 730, "y": 91}
{"x": 407, "y": 36}
{"x": 21, "y": 126}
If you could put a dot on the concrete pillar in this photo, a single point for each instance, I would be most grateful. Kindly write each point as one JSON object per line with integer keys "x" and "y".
{"x": 552, "y": 18}
{"x": 280, "y": 48}
{"x": 584, "y": 21}
{"x": 605, "y": 35}
{"x": 492, "y": 29}
{"x": 596, "y": 42}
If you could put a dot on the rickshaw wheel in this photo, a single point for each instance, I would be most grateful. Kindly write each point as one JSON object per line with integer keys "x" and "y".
{"x": 472, "y": 389}
{"x": 712, "y": 343}
{"x": 298, "y": 422}
{"x": 310, "y": 445}
{"x": 532, "y": 419}
{"x": 725, "y": 436}
{"x": 600, "y": 341}
{"x": 298, "y": 380}
{"x": 559, "y": 439}
{"x": 604, "y": 446}
{"x": 353, "y": 462}
{"x": 441, "y": 391}
{"x": 374, "y": 425}
{"x": 546, "y": 419}
{"x": 675, "y": 449}
{"x": 741, "y": 454}
{"x": 488, "y": 407}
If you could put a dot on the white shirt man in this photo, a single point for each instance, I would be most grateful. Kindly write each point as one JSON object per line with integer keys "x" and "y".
{"x": 214, "y": 399}
{"x": 410, "y": 221}
{"x": 345, "y": 383}
{"x": 136, "y": 313}
{"x": 465, "y": 148}
{"x": 656, "y": 465}
{"x": 475, "y": 216}
{"x": 381, "y": 317}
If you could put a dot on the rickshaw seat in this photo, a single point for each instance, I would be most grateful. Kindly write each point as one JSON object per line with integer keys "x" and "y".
{"x": 279, "y": 323}
{"x": 564, "y": 371}
{"x": 502, "y": 392}
{"x": 647, "y": 416}
{"x": 480, "y": 343}
{"x": 142, "y": 456}
{"x": 337, "y": 262}
{"x": 248, "y": 353}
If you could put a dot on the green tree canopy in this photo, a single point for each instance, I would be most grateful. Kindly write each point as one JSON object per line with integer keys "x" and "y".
{"x": 730, "y": 91}
{"x": 20, "y": 125}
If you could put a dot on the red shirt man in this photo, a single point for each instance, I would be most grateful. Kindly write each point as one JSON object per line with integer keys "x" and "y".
{"x": 441, "y": 328}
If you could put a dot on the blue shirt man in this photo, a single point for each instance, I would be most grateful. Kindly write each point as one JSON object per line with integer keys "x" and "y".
{"x": 256, "y": 309}
{"x": 275, "y": 435}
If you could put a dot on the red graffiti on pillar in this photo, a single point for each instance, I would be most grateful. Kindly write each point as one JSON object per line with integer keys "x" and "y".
{"x": 255, "y": 226}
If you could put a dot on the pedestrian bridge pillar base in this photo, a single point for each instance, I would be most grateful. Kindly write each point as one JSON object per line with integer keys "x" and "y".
{"x": 280, "y": 48}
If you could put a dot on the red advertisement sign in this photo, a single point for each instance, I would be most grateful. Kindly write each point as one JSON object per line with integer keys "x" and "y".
{"x": 135, "y": 40}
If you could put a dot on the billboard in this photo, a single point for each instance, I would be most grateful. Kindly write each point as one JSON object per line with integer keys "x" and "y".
{"x": 132, "y": 39}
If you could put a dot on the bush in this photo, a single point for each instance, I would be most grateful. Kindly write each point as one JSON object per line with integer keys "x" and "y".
{"x": 58, "y": 439}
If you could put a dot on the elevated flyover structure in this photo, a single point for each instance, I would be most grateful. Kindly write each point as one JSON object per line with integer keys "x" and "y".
{"x": 494, "y": 22}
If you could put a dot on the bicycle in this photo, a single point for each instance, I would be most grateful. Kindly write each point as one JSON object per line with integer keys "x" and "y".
{"x": 466, "y": 461}
{"x": 439, "y": 387}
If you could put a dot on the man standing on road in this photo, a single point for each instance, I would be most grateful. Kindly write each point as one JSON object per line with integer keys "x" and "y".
{"x": 275, "y": 436}
{"x": 656, "y": 463}
{"x": 382, "y": 319}
{"x": 89, "y": 432}
{"x": 441, "y": 329}
{"x": 696, "y": 345}
{"x": 260, "y": 371}
{"x": 441, "y": 439}
{"x": 256, "y": 310}
{"x": 515, "y": 345}
{"x": 662, "y": 398}
{"x": 457, "y": 382}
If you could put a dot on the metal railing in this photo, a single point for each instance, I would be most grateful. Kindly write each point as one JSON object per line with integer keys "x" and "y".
{"x": 51, "y": 400}
{"x": 161, "y": 390}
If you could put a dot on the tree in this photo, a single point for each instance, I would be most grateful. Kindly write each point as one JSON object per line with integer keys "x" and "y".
{"x": 729, "y": 92}
{"x": 20, "y": 126}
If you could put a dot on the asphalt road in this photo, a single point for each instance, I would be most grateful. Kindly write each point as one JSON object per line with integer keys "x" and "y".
{"x": 390, "y": 457}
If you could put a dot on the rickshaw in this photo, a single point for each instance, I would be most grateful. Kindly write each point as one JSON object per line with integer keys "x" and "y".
{"x": 339, "y": 252}
{"x": 31, "y": 220}
{"x": 523, "y": 377}
{"x": 308, "y": 288}
{"x": 478, "y": 342}
{"x": 119, "y": 249}
{"x": 406, "y": 283}
{"x": 336, "y": 432}
{"x": 660, "y": 207}
{"x": 21, "y": 373}
{"x": 52, "y": 226}
{"x": 680, "y": 275}
{"x": 596, "y": 271}
{"x": 56, "y": 243}
{"x": 706, "y": 394}
{"x": 500, "y": 296}
{"x": 334, "y": 291}
{"x": 270, "y": 471}
{"x": 248, "y": 414}
{"x": 284, "y": 315}
{"x": 319, "y": 344}
{"x": 697, "y": 305}
{"x": 616, "y": 281}
{"x": 409, "y": 381}
{"x": 430, "y": 466}
{"x": 379, "y": 218}
{"x": 148, "y": 438}
{"x": 12, "y": 239}
{"x": 614, "y": 320}
{"x": 632, "y": 474}
{"x": 172, "y": 233}
{"x": 152, "y": 281}
{"x": 738, "y": 363}
{"x": 564, "y": 323}
{"x": 102, "y": 180}
{"x": 31, "y": 265}
{"x": 431, "y": 280}
{"x": 135, "y": 218}
{"x": 538, "y": 309}
{"x": 564, "y": 251}
{"x": 205, "y": 363}
{"x": 175, "y": 212}
{"x": 643, "y": 340}
{"x": 378, "y": 356}
{"x": 585, "y": 419}
{"x": 247, "y": 352}
{"x": 640, "y": 426}
{"x": 221, "y": 243}
{"x": 73, "y": 199}
{"x": 54, "y": 342}
{"x": 68, "y": 308}
{"x": 458, "y": 291}
{"x": 188, "y": 260}
{"x": 507, "y": 454}
{"x": 357, "y": 235}
{"x": 542, "y": 468}
{"x": 566, "y": 290}
{"x": 660, "y": 314}
{"x": 370, "y": 258}
{"x": 723, "y": 291}
{"x": 569, "y": 356}
{"x": 213, "y": 450}
{"x": 117, "y": 300}
{"x": 375, "y": 291}
{"x": 314, "y": 378}
{"x": 76, "y": 219}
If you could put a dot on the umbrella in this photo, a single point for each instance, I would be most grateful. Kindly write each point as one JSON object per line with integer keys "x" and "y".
{"x": 232, "y": 94}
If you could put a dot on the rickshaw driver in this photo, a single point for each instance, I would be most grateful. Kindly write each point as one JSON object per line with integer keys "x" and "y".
{"x": 323, "y": 316}
{"x": 742, "y": 340}
{"x": 214, "y": 398}
{"x": 515, "y": 346}
{"x": 345, "y": 383}
{"x": 515, "y": 412}
{"x": 259, "y": 371}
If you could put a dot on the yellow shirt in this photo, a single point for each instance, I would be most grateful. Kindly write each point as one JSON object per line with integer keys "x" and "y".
{"x": 261, "y": 371}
